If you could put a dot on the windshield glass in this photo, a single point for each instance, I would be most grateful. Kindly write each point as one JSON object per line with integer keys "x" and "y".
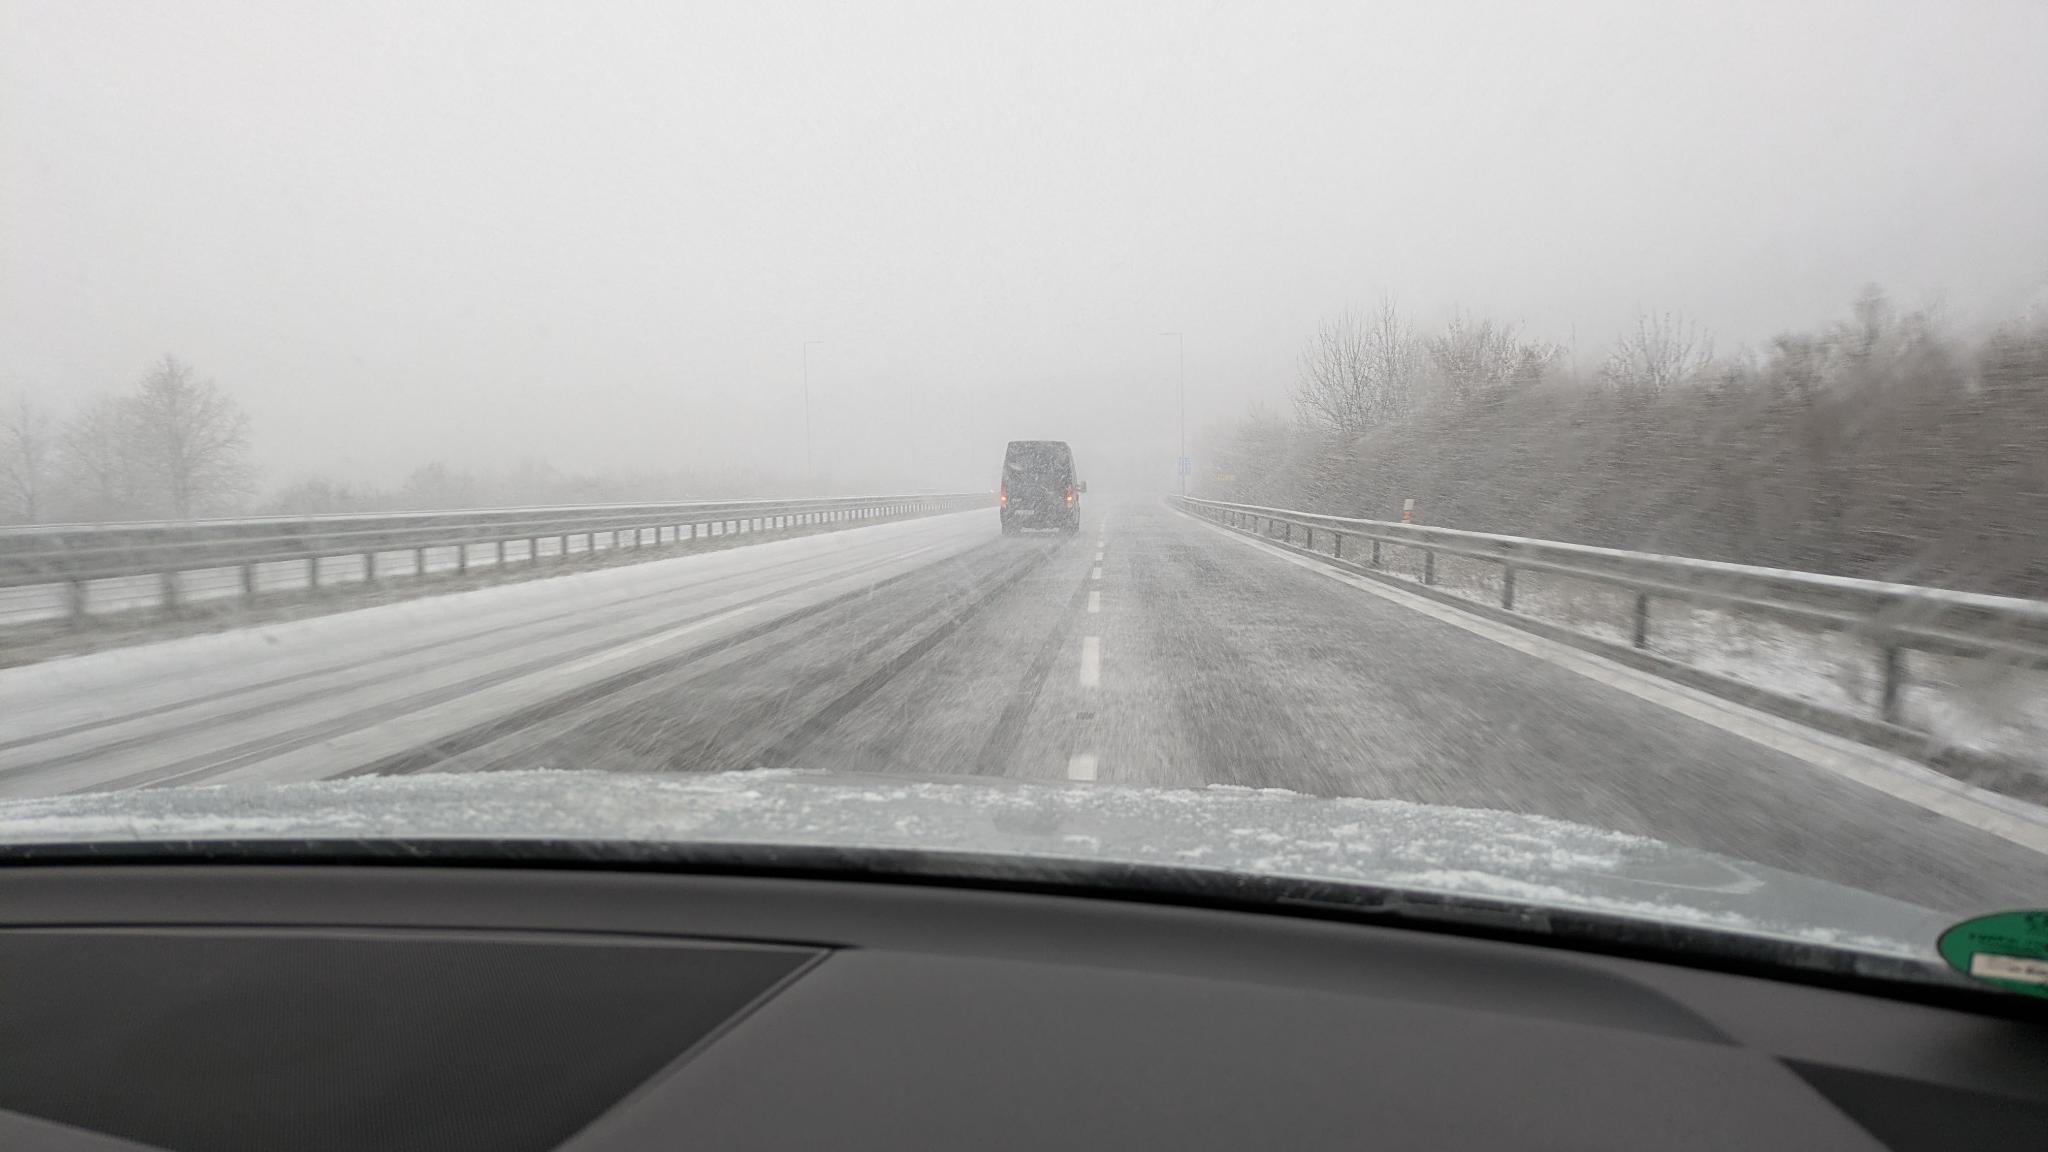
{"x": 1577, "y": 456}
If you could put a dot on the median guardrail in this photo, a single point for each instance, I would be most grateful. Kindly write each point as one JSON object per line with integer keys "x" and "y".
{"x": 73, "y": 557}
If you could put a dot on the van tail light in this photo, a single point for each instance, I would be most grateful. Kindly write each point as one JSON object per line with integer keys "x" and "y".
{"x": 1003, "y": 495}
{"x": 1070, "y": 495}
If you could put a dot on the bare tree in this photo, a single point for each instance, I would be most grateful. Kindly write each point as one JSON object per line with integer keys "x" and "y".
{"x": 28, "y": 446}
{"x": 1358, "y": 372}
{"x": 1477, "y": 360}
{"x": 1663, "y": 352}
{"x": 96, "y": 464}
{"x": 1333, "y": 392}
{"x": 191, "y": 440}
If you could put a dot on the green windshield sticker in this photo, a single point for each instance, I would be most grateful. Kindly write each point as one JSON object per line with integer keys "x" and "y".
{"x": 2008, "y": 950}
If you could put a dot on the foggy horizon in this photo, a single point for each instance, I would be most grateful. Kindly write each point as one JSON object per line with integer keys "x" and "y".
{"x": 469, "y": 234}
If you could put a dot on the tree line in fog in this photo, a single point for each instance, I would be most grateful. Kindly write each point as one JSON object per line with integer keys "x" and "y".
{"x": 172, "y": 445}
{"x": 528, "y": 483}
{"x": 176, "y": 446}
{"x": 1881, "y": 446}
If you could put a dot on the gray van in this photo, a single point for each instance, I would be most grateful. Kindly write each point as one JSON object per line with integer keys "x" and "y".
{"x": 1039, "y": 488}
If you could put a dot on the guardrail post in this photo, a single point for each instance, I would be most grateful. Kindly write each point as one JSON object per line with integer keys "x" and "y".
{"x": 1287, "y": 531}
{"x": 419, "y": 562}
{"x": 369, "y": 567}
{"x": 462, "y": 559}
{"x": 1507, "y": 586}
{"x": 1375, "y": 553}
{"x": 532, "y": 551}
{"x": 1642, "y": 636}
{"x": 169, "y": 582}
{"x": 501, "y": 553}
{"x": 1890, "y": 668}
{"x": 248, "y": 583}
{"x": 1337, "y": 545}
{"x": 1429, "y": 566}
{"x": 74, "y": 602}
{"x": 312, "y": 573}
{"x": 1309, "y": 537}
{"x": 563, "y": 546}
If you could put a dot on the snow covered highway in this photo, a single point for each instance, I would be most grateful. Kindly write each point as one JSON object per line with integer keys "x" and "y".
{"x": 1151, "y": 650}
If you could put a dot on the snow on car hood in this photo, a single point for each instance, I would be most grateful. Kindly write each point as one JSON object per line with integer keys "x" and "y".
{"x": 1389, "y": 844}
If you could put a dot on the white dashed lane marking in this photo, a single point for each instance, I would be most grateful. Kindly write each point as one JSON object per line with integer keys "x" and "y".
{"x": 1083, "y": 766}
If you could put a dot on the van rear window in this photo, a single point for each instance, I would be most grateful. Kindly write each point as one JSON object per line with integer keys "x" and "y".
{"x": 1036, "y": 456}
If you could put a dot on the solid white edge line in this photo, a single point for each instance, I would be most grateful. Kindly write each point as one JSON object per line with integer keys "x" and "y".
{"x": 1095, "y": 574}
{"x": 646, "y": 642}
{"x": 1094, "y": 601}
{"x": 2002, "y": 816}
{"x": 1091, "y": 661}
{"x": 1081, "y": 766}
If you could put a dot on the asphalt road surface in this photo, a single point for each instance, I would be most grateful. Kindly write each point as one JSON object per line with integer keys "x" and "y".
{"x": 1149, "y": 650}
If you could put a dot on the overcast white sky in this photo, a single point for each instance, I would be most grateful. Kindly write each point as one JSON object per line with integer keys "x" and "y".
{"x": 599, "y": 232}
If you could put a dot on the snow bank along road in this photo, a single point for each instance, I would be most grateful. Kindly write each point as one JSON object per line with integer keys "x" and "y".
{"x": 1150, "y": 650}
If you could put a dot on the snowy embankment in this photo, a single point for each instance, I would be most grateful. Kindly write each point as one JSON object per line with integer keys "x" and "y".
{"x": 1971, "y": 705}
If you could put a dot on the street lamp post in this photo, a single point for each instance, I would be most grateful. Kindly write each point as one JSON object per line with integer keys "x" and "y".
{"x": 810, "y": 473}
{"x": 1182, "y": 344}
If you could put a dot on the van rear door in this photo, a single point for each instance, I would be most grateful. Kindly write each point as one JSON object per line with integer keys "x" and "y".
{"x": 1036, "y": 476}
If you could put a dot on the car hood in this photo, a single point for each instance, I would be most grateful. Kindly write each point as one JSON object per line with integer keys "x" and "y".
{"x": 1506, "y": 859}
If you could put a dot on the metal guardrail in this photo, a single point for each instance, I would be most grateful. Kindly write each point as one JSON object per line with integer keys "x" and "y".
{"x": 1894, "y": 618}
{"x": 74, "y": 556}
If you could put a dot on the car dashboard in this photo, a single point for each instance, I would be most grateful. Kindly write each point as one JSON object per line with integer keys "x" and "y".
{"x": 203, "y": 1006}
